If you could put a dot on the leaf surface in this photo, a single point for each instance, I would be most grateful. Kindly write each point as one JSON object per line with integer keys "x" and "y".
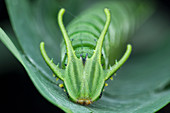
{"x": 142, "y": 84}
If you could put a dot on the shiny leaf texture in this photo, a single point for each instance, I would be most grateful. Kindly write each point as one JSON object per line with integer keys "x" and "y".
{"x": 141, "y": 85}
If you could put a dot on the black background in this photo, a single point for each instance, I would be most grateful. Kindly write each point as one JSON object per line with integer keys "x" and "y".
{"x": 17, "y": 92}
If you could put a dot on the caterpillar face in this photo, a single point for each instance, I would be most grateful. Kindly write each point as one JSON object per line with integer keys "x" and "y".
{"x": 83, "y": 76}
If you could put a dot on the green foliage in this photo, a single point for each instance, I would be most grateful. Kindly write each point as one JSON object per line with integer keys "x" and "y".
{"x": 142, "y": 85}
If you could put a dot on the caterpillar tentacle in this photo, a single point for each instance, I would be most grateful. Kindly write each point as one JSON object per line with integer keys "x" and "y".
{"x": 55, "y": 68}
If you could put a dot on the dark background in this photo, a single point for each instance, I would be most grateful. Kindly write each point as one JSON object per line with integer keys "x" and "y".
{"x": 17, "y": 92}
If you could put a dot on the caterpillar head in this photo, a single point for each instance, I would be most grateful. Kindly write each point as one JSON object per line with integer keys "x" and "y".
{"x": 84, "y": 81}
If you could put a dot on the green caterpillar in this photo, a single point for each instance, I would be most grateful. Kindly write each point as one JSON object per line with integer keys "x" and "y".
{"x": 93, "y": 43}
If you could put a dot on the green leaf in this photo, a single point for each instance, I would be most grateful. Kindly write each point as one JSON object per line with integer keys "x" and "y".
{"x": 142, "y": 84}
{"x": 48, "y": 89}
{"x": 36, "y": 22}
